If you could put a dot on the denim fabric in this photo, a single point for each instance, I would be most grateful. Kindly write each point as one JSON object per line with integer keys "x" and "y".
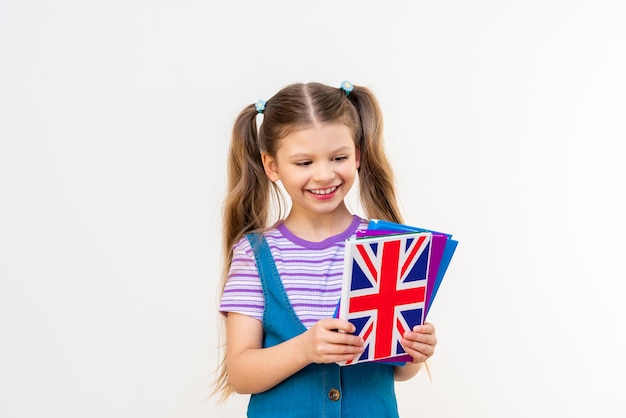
{"x": 365, "y": 390}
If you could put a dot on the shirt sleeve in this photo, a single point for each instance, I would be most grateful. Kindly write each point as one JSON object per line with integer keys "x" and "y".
{"x": 243, "y": 292}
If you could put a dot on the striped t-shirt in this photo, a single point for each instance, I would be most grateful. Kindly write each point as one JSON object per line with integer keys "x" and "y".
{"x": 311, "y": 273}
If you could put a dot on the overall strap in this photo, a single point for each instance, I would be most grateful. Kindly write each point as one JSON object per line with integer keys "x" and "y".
{"x": 278, "y": 308}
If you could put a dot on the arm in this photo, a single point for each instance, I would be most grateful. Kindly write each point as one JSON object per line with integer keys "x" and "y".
{"x": 419, "y": 344}
{"x": 253, "y": 369}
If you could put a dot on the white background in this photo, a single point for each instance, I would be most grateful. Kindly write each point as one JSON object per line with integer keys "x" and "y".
{"x": 505, "y": 122}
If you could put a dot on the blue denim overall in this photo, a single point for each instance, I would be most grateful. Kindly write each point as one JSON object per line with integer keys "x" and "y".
{"x": 318, "y": 390}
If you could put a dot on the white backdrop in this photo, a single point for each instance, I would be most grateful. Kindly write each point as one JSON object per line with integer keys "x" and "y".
{"x": 505, "y": 122}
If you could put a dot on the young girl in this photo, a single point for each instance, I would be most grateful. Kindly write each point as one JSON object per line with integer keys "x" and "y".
{"x": 283, "y": 282}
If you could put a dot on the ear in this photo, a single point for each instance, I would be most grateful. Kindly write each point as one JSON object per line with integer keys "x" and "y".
{"x": 357, "y": 157}
{"x": 270, "y": 166}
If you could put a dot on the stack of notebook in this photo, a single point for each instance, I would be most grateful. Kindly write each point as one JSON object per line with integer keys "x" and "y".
{"x": 392, "y": 273}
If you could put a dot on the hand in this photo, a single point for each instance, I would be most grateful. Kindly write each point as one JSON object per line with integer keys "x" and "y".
{"x": 322, "y": 343}
{"x": 420, "y": 343}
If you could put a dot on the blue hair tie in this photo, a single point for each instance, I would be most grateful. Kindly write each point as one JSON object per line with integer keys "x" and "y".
{"x": 260, "y": 106}
{"x": 346, "y": 86}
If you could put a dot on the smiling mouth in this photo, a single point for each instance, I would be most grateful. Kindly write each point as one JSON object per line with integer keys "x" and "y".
{"x": 322, "y": 192}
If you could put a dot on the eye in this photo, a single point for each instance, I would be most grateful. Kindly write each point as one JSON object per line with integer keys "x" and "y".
{"x": 340, "y": 158}
{"x": 303, "y": 163}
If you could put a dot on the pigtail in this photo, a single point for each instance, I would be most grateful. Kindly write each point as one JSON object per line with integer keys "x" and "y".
{"x": 377, "y": 187}
{"x": 246, "y": 207}
{"x": 247, "y": 196}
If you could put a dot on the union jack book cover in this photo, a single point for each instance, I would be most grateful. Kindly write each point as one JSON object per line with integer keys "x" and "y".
{"x": 384, "y": 291}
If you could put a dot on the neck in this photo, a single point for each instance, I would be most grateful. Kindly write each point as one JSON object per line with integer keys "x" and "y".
{"x": 318, "y": 228}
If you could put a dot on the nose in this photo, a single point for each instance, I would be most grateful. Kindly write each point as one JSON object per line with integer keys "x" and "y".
{"x": 324, "y": 173}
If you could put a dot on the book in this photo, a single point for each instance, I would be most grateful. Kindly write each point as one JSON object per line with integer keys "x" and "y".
{"x": 391, "y": 275}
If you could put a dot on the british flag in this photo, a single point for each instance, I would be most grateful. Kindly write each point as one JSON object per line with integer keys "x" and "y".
{"x": 385, "y": 280}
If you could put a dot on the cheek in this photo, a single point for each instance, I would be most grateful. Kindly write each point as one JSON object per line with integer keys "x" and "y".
{"x": 357, "y": 162}
{"x": 350, "y": 172}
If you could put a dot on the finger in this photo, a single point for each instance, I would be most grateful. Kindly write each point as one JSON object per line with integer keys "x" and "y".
{"x": 426, "y": 328}
{"x": 418, "y": 348}
{"x": 345, "y": 339}
{"x": 340, "y": 353}
{"x": 429, "y": 339}
{"x": 348, "y": 349}
{"x": 337, "y": 324}
{"x": 340, "y": 358}
{"x": 417, "y": 355}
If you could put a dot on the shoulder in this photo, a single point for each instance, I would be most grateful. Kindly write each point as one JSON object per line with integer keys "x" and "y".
{"x": 244, "y": 246}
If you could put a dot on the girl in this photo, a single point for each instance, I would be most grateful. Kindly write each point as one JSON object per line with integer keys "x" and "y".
{"x": 283, "y": 282}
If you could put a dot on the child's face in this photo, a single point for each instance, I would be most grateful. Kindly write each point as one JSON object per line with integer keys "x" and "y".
{"x": 317, "y": 166}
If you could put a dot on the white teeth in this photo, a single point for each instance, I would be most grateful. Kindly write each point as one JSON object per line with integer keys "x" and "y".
{"x": 324, "y": 191}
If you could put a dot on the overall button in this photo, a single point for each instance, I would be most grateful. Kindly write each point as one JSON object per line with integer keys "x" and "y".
{"x": 334, "y": 395}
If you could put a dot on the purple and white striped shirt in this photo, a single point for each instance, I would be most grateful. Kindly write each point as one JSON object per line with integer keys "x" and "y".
{"x": 311, "y": 273}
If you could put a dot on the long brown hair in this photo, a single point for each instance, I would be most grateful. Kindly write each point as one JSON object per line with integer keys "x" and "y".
{"x": 297, "y": 106}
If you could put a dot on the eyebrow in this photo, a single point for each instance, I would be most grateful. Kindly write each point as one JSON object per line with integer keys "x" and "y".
{"x": 336, "y": 151}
